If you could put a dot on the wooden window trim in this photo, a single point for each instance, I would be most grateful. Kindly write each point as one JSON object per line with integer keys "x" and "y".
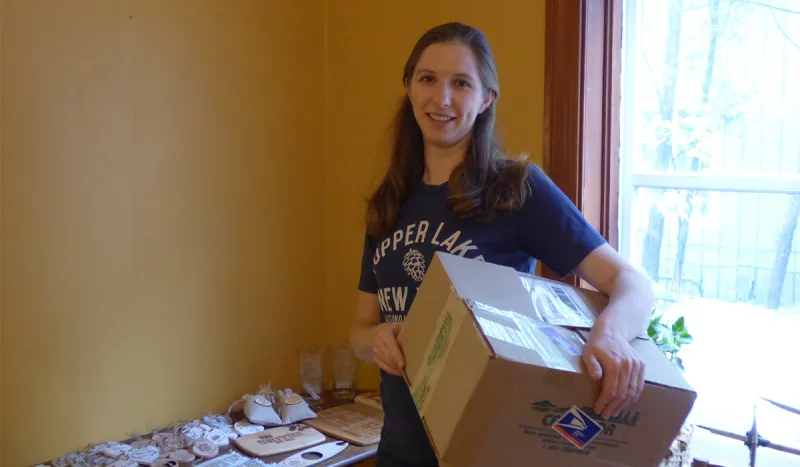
{"x": 583, "y": 40}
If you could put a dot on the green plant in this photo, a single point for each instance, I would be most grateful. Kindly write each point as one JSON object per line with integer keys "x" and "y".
{"x": 670, "y": 338}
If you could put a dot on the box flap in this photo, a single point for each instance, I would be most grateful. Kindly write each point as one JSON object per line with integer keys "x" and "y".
{"x": 537, "y": 298}
{"x": 490, "y": 283}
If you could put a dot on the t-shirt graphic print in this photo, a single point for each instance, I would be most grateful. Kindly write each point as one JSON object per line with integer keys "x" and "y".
{"x": 403, "y": 257}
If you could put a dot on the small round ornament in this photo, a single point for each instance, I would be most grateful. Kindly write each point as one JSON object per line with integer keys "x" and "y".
{"x": 205, "y": 448}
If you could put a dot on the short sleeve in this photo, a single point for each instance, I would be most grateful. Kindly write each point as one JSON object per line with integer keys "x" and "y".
{"x": 367, "y": 282}
{"x": 552, "y": 229}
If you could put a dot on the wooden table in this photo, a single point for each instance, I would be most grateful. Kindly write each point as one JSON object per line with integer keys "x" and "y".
{"x": 352, "y": 455}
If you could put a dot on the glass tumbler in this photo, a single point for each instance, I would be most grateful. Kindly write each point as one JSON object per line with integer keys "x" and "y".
{"x": 311, "y": 364}
{"x": 344, "y": 367}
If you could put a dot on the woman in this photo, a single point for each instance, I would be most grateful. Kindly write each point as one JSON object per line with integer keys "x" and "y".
{"x": 449, "y": 188}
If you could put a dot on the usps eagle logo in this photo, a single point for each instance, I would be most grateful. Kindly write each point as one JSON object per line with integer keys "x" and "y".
{"x": 577, "y": 427}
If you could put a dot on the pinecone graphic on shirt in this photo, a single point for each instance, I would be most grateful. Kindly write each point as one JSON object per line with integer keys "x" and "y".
{"x": 414, "y": 264}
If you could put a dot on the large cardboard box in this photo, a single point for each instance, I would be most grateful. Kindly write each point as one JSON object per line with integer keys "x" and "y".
{"x": 493, "y": 360}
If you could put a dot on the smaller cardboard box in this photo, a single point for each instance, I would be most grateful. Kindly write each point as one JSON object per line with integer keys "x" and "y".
{"x": 493, "y": 361}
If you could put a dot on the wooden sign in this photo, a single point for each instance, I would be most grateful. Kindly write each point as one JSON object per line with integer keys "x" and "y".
{"x": 357, "y": 424}
{"x": 279, "y": 440}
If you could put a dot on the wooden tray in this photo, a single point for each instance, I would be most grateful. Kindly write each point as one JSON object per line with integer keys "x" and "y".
{"x": 357, "y": 424}
{"x": 279, "y": 440}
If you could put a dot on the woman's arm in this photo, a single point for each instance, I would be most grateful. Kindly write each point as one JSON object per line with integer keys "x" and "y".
{"x": 364, "y": 326}
{"x": 553, "y": 230}
{"x": 630, "y": 293}
{"x": 372, "y": 342}
{"x": 608, "y": 353}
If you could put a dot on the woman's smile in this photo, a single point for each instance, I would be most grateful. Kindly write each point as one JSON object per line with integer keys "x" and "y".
{"x": 440, "y": 121}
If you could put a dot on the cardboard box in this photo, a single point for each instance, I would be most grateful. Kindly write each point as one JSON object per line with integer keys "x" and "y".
{"x": 493, "y": 360}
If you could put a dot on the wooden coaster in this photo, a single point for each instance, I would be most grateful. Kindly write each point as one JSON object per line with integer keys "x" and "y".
{"x": 279, "y": 440}
{"x": 357, "y": 424}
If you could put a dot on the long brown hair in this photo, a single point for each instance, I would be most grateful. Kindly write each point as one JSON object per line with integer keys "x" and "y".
{"x": 485, "y": 183}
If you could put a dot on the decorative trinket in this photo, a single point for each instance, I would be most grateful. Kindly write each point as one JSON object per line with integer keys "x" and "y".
{"x": 182, "y": 456}
{"x": 217, "y": 421}
{"x": 169, "y": 442}
{"x": 293, "y": 408}
{"x": 125, "y": 463}
{"x": 112, "y": 449}
{"x": 245, "y": 428}
{"x": 218, "y": 437}
{"x": 143, "y": 443}
{"x": 205, "y": 448}
{"x": 166, "y": 463}
{"x": 146, "y": 455}
{"x": 258, "y": 409}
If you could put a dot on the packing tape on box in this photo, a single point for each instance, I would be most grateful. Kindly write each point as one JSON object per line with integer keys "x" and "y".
{"x": 528, "y": 337}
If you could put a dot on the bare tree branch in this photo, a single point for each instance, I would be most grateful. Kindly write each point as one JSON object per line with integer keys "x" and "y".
{"x": 772, "y": 7}
{"x": 694, "y": 142}
{"x": 730, "y": 37}
{"x": 766, "y": 5}
{"x": 778, "y": 25}
{"x": 655, "y": 80}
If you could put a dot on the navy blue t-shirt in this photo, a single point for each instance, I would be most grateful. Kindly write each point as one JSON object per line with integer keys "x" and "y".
{"x": 548, "y": 228}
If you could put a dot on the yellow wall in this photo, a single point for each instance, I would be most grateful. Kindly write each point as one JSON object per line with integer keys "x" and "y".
{"x": 1, "y": 231}
{"x": 368, "y": 44}
{"x": 161, "y": 221}
{"x": 163, "y": 171}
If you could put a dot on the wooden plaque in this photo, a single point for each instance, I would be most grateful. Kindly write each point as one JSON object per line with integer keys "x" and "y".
{"x": 357, "y": 424}
{"x": 279, "y": 440}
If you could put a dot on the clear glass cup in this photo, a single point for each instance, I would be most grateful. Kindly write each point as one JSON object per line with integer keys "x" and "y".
{"x": 343, "y": 367}
{"x": 311, "y": 362}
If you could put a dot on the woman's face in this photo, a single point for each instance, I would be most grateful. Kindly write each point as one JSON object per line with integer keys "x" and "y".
{"x": 446, "y": 93}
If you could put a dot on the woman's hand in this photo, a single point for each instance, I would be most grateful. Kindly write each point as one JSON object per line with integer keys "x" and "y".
{"x": 386, "y": 350}
{"x": 611, "y": 357}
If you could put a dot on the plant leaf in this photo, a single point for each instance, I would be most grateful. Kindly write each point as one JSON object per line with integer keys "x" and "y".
{"x": 684, "y": 340}
{"x": 661, "y": 328}
{"x": 668, "y": 347}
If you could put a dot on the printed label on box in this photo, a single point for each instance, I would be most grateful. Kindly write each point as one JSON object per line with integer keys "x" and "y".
{"x": 556, "y": 304}
{"x": 438, "y": 349}
{"x": 561, "y": 340}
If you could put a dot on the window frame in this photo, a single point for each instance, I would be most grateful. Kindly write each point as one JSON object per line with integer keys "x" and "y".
{"x": 583, "y": 39}
{"x": 774, "y": 184}
{"x": 582, "y": 134}
{"x": 582, "y": 131}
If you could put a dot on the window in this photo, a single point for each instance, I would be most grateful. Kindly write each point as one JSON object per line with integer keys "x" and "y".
{"x": 673, "y": 125}
{"x": 709, "y": 194}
